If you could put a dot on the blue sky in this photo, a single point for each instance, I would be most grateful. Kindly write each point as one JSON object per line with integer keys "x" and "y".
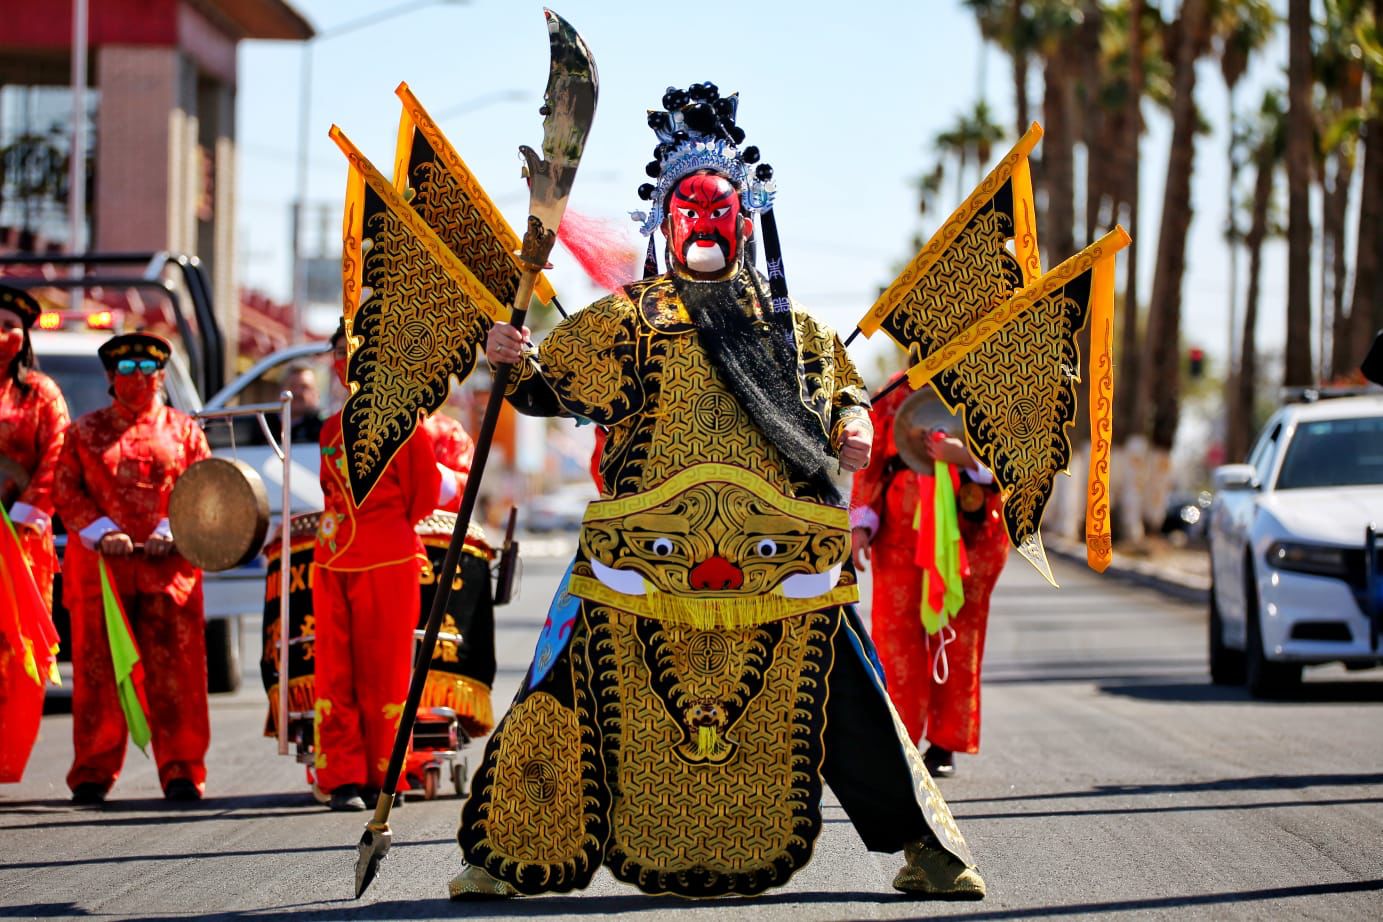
{"x": 844, "y": 100}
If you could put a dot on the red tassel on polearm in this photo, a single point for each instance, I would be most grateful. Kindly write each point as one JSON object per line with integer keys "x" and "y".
{"x": 606, "y": 252}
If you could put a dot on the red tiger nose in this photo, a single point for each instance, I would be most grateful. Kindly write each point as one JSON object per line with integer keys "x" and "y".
{"x": 716, "y": 573}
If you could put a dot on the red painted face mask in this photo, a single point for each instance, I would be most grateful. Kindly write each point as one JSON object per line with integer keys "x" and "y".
{"x": 704, "y": 213}
{"x": 138, "y": 391}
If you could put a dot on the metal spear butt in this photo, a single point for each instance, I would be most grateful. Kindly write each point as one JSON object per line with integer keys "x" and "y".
{"x": 374, "y": 845}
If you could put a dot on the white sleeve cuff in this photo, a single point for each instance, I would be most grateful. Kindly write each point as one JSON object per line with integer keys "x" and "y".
{"x": 24, "y": 514}
{"x": 981, "y": 474}
{"x": 448, "y": 490}
{"x": 866, "y": 518}
{"x": 93, "y": 533}
{"x": 163, "y": 530}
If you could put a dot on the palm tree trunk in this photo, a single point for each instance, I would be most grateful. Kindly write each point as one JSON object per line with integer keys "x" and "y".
{"x": 1020, "y": 68}
{"x": 1162, "y": 380}
{"x": 1058, "y": 157}
{"x": 1241, "y": 409}
{"x": 1297, "y": 365}
{"x": 1128, "y": 409}
{"x": 1335, "y": 219}
{"x": 1366, "y": 309}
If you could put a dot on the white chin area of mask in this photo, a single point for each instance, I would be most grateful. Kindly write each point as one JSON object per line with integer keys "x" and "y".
{"x": 705, "y": 259}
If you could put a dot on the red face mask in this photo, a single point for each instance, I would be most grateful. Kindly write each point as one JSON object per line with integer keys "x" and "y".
{"x": 339, "y": 366}
{"x": 704, "y": 212}
{"x": 11, "y": 341}
{"x": 137, "y": 392}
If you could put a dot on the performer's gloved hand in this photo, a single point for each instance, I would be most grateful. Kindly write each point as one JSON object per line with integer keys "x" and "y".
{"x": 115, "y": 544}
{"x": 859, "y": 547}
{"x": 855, "y": 444}
{"x": 505, "y": 344}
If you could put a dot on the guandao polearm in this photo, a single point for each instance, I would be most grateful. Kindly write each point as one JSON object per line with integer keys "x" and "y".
{"x": 568, "y": 111}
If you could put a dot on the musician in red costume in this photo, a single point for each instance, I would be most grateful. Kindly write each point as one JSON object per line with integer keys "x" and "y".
{"x": 933, "y": 679}
{"x": 365, "y": 597}
{"x": 111, "y": 488}
{"x": 453, "y": 448}
{"x": 33, "y": 422}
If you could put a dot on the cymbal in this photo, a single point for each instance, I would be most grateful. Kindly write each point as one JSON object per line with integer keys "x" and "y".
{"x": 921, "y": 411}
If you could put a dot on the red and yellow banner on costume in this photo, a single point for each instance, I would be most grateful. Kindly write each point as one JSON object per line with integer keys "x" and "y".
{"x": 435, "y": 181}
{"x": 415, "y": 316}
{"x": 998, "y": 340}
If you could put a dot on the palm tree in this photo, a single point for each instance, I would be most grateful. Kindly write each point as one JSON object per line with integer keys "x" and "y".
{"x": 1265, "y": 139}
{"x": 1366, "y": 308}
{"x": 1241, "y": 29}
{"x": 970, "y": 140}
{"x": 1004, "y": 23}
{"x": 1297, "y": 363}
{"x": 1189, "y": 41}
{"x": 1339, "y": 70}
{"x": 1190, "y": 36}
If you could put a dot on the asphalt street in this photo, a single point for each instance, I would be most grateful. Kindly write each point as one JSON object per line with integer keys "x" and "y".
{"x": 1114, "y": 782}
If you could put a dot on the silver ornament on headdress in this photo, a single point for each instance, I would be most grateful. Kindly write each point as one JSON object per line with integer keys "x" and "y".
{"x": 696, "y": 151}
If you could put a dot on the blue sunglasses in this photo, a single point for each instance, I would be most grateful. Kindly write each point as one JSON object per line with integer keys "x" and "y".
{"x": 130, "y": 366}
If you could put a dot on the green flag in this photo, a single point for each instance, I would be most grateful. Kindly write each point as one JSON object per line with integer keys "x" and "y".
{"x": 124, "y": 655}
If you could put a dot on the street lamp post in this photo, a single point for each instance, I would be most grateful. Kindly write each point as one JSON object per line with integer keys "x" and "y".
{"x": 305, "y": 140}
{"x": 76, "y": 177}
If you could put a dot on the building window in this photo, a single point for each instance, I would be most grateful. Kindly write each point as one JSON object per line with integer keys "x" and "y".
{"x": 35, "y": 144}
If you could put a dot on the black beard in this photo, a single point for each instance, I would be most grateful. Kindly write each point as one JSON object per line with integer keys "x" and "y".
{"x": 760, "y": 369}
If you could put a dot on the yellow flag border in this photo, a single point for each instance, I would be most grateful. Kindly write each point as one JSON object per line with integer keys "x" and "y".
{"x": 966, "y": 341}
{"x": 446, "y": 259}
{"x": 414, "y": 116}
{"x": 1014, "y": 164}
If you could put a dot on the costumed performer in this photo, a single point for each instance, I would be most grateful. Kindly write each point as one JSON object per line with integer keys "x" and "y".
{"x": 932, "y": 655}
{"x": 701, "y": 670}
{"x": 365, "y": 599}
{"x": 33, "y": 422}
{"x": 111, "y": 488}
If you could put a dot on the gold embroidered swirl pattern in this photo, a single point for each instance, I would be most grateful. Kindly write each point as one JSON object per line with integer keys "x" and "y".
{"x": 698, "y": 829}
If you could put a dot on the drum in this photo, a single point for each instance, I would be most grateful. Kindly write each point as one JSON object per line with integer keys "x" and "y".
{"x": 219, "y": 513}
{"x": 461, "y": 672}
{"x": 302, "y": 686}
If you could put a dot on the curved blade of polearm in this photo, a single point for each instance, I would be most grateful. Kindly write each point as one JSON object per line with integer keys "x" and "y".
{"x": 568, "y": 111}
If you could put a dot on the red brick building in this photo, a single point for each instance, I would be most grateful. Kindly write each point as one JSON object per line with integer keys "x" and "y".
{"x": 161, "y": 128}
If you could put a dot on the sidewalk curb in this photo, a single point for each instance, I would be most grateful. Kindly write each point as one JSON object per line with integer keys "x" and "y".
{"x": 1187, "y": 587}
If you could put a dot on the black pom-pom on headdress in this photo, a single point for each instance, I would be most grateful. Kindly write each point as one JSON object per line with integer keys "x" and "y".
{"x": 696, "y": 131}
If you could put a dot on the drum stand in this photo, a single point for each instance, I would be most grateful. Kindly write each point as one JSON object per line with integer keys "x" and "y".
{"x": 282, "y": 447}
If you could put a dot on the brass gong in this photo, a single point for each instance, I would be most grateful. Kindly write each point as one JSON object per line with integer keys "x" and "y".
{"x": 922, "y": 412}
{"x": 219, "y": 514}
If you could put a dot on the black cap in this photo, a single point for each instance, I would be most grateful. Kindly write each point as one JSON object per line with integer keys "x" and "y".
{"x": 134, "y": 346}
{"x": 22, "y": 303}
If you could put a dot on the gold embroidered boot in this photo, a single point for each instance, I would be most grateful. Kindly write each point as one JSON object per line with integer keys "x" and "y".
{"x": 475, "y": 883}
{"x": 931, "y": 871}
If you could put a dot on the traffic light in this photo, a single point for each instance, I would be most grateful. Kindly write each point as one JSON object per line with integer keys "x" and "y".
{"x": 1196, "y": 362}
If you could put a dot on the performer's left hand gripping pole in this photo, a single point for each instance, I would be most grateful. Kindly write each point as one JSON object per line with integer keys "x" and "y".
{"x": 568, "y": 110}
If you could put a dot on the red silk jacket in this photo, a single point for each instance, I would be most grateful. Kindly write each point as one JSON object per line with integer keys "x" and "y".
{"x": 32, "y": 427}
{"x": 122, "y": 466}
{"x": 379, "y": 533}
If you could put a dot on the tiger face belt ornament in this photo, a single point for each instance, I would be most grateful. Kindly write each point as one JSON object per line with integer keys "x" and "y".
{"x": 714, "y": 546}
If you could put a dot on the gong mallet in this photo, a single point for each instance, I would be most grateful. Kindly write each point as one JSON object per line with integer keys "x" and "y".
{"x": 568, "y": 110}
